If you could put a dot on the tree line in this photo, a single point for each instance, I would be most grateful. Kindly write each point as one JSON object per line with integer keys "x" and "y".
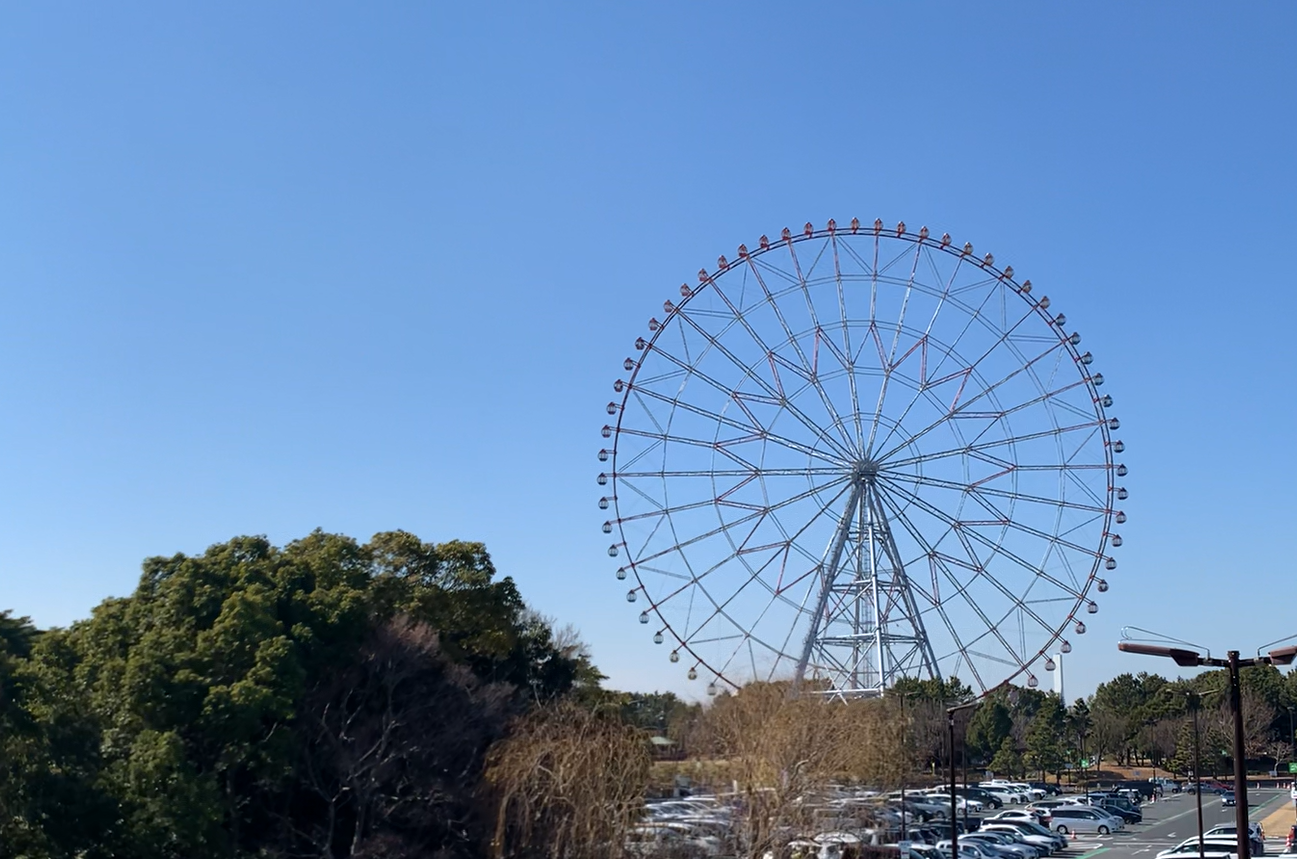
{"x": 1132, "y": 720}
{"x": 397, "y": 698}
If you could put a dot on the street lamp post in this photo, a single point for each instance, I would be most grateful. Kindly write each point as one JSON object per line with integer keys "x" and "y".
{"x": 1292, "y": 752}
{"x": 950, "y": 722}
{"x": 1192, "y": 702}
{"x": 1192, "y": 658}
{"x": 905, "y": 764}
{"x": 954, "y": 812}
{"x": 1085, "y": 766}
{"x": 1197, "y": 772}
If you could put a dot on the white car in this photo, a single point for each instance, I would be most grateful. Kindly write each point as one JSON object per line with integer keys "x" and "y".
{"x": 1228, "y": 830}
{"x": 1213, "y": 848}
{"x": 1003, "y": 794}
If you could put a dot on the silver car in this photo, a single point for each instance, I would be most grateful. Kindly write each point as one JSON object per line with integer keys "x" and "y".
{"x": 1005, "y": 845}
{"x": 1083, "y": 819}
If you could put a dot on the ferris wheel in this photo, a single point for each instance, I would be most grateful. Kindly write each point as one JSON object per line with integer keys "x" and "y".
{"x": 855, "y": 454}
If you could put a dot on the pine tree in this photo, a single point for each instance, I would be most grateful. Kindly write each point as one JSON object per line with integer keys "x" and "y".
{"x": 1007, "y": 760}
{"x": 1045, "y": 738}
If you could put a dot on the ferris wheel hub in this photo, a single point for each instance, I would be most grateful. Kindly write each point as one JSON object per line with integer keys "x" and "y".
{"x": 865, "y": 470}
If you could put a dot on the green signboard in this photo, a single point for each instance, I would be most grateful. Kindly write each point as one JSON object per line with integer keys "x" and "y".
{"x": 1292, "y": 766}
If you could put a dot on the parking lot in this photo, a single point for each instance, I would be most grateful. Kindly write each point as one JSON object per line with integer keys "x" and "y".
{"x": 1171, "y": 820}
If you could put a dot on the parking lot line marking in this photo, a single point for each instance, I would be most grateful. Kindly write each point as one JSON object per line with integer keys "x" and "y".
{"x": 1094, "y": 853}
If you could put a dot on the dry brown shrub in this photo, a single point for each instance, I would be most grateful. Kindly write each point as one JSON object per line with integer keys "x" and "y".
{"x": 568, "y": 783}
{"x": 783, "y": 753}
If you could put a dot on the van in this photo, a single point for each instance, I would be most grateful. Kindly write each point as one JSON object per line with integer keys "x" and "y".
{"x": 1083, "y": 819}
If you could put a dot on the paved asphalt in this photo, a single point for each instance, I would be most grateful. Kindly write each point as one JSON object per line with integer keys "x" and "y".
{"x": 1169, "y": 821}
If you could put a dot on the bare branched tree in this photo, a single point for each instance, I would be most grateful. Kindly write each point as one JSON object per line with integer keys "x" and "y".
{"x": 393, "y": 738}
{"x": 568, "y": 783}
{"x": 1257, "y": 719}
{"x": 783, "y": 752}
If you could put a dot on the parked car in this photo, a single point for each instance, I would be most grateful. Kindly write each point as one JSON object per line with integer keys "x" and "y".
{"x": 1004, "y": 845}
{"x": 1256, "y": 835}
{"x": 1082, "y": 819}
{"x": 967, "y": 850}
{"x": 1050, "y": 804}
{"x": 1038, "y": 836}
{"x": 1040, "y": 816}
{"x": 1121, "y": 807}
{"x": 1214, "y": 850}
{"x": 985, "y": 797}
{"x": 1013, "y": 838}
{"x": 1217, "y": 846}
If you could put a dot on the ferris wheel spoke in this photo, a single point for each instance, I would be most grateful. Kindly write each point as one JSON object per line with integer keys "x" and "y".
{"x": 962, "y": 533}
{"x": 750, "y": 428}
{"x": 937, "y": 561}
{"x": 734, "y": 472}
{"x": 983, "y": 572}
{"x": 1018, "y": 600}
{"x": 846, "y": 343}
{"x": 810, "y": 366}
{"x": 963, "y": 374}
{"x": 941, "y": 302}
{"x": 976, "y": 315}
{"x": 889, "y": 362}
{"x": 772, "y": 392}
{"x": 740, "y": 316}
{"x": 1085, "y": 489}
{"x": 755, "y": 514}
{"x": 1004, "y": 520}
{"x": 893, "y": 477}
{"x": 967, "y": 373}
{"x": 723, "y": 448}
{"x": 1006, "y": 441}
{"x": 755, "y": 576}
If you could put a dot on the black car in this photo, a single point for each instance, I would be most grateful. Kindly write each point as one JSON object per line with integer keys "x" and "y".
{"x": 1227, "y": 797}
{"x": 1127, "y": 814}
{"x": 987, "y": 799}
{"x": 1049, "y": 789}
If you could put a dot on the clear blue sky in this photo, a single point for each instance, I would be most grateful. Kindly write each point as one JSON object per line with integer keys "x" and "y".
{"x": 272, "y": 267}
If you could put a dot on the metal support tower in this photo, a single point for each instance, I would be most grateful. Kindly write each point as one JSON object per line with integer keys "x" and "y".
{"x": 866, "y": 630}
